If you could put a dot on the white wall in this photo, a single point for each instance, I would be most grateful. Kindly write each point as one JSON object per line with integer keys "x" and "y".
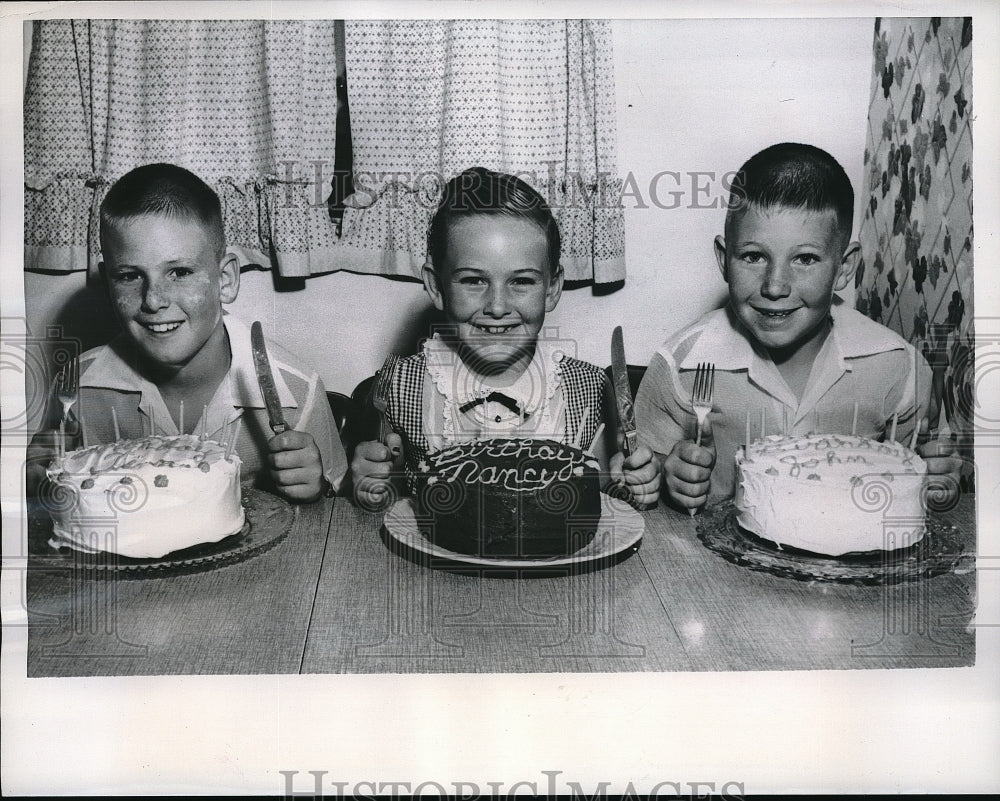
{"x": 693, "y": 95}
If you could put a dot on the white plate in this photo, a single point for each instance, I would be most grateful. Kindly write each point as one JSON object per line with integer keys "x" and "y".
{"x": 619, "y": 529}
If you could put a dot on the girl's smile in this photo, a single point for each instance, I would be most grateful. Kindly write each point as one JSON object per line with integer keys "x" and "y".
{"x": 495, "y": 288}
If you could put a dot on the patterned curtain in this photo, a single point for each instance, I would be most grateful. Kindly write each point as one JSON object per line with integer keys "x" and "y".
{"x": 532, "y": 97}
{"x": 248, "y": 105}
{"x": 251, "y": 107}
{"x": 916, "y": 235}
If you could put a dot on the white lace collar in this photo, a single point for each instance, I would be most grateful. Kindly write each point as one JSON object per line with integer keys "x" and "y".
{"x": 534, "y": 390}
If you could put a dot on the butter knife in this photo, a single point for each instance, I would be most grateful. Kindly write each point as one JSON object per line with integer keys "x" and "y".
{"x": 623, "y": 392}
{"x": 626, "y": 414}
{"x": 266, "y": 379}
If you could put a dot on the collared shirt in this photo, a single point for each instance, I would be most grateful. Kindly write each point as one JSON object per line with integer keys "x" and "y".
{"x": 537, "y": 392}
{"x": 572, "y": 395}
{"x": 109, "y": 380}
{"x": 861, "y": 362}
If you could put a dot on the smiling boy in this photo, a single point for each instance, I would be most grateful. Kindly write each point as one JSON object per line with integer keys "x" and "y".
{"x": 787, "y": 351}
{"x": 180, "y": 365}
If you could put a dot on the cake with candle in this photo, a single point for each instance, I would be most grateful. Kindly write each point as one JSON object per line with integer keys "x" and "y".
{"x": 831, "y": 494}
{"x": 509, "y": 498}
{"x": 145, "y": 498}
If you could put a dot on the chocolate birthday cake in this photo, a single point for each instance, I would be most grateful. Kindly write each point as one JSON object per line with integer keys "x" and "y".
{"x": 509, "y": 498}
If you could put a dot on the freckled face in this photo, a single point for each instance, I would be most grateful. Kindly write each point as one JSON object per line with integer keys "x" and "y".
{"x": 167, "y": 286}
{"x": 783, "y": 266}
{"x": 495, "y": 287}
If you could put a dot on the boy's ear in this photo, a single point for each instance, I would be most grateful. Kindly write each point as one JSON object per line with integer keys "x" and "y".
{"x": 720, "y": 256}
{"x": 431, "y": 284}
{"x": 554, "y": 292}
{"x": 848, "y": 265}
{"x": 229, "y": 277}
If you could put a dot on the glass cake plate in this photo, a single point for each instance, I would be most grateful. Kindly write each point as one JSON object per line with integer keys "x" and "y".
{"x": 268, "y": 521}
{"x": 618, "y": 535}
{"x": 942, "y": 550}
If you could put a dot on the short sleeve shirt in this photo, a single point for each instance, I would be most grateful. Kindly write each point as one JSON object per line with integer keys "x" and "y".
{"x": 108, "y": 380}
{"x": 863, "y": 377}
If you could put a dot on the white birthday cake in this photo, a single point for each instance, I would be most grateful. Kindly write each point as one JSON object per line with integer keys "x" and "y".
{"x": 831, "y": 494}
{"x": 147, "y": 497}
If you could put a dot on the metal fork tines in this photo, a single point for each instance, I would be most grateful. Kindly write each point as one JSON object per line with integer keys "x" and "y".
{"x": 66, "y": 387}
{"x": 702, "y": 392}
{"x": 380, "y": 396}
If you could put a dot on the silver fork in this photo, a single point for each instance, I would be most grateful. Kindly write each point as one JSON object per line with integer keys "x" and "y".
{"x": 380, "y": 396}
{"x": 66, "y": 388}
{"x": 702, "y": 392}
{"x": 701, "y": 398}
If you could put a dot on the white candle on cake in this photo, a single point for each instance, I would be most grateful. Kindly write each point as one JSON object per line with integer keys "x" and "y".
{"x": 232, "y": 442}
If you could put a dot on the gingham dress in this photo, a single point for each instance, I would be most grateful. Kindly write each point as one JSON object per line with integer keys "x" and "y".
{"x": 583, "y": 386}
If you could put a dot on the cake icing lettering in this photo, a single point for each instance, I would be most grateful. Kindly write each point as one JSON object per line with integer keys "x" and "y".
{"x": 466, "y": 463}
{"x": 796, "y": 465}
{"x": 832, "y": 458}
{"x": 472, "y": 471}
{"x": 499, "y": 449}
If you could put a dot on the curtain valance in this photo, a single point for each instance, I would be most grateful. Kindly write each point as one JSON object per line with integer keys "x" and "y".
{"x": 251, "y": 107}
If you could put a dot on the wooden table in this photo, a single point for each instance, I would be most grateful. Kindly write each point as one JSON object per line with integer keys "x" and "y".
{"x": 332, "y": 598}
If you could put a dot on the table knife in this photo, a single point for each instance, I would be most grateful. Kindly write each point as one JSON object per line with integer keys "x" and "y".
{"x": 623, "y": 392}
{"x": 266, "y": 379}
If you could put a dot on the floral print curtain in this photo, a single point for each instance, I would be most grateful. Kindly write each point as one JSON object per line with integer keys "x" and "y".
{"x": 916, "y": 234}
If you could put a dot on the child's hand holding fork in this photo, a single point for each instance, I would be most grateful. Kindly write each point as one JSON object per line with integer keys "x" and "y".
{"x": 374, "y": 469}
{"x": 687, "y": 470}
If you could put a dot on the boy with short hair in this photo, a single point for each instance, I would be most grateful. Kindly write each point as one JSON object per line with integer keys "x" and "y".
{"x": 181, "y": 365}
{"x": 786, "y": 350}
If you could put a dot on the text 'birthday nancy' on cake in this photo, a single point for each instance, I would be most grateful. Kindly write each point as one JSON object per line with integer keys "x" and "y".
{"x": 145, "y": 498}
{"x": 830, "y": 493}
{"x": 510, "y": 498}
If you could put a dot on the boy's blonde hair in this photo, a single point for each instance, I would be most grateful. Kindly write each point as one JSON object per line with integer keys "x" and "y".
{"x": 166, "y": 190}
{"x": 796, "y": 176}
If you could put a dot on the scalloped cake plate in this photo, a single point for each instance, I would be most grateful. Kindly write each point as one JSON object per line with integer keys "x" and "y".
{"x": 268, "y": 521}
{"x": 942, "y": 550}
{"x": 620, "y": 529}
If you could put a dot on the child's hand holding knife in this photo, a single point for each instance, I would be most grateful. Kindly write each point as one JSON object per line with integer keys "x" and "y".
{"x": 294, "y": 460}
{"x": 634, "y": 469}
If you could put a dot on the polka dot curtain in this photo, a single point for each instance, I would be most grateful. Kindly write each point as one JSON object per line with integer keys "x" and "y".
{"x": 430, "y": 98}
{"x": 916, "y": 233}
{"x": 248, "y": 105}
